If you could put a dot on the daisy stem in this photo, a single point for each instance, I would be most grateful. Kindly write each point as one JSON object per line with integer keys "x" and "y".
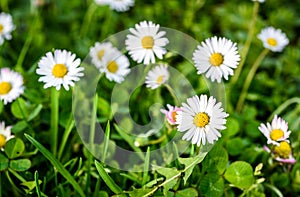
{"x": 54, "y": 119}
{"x": 284, "y": 106}
{"x": 87, "y": 19}
{"x": 247, "y": 43}
{"x": 249, "y": 79}
{"x": 65, "y": 137}
{"x": 172, "y": 92}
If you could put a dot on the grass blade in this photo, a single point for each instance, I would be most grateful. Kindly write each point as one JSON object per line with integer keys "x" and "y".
{"x": 37, "y": 184}
{"x": 107, "y": 179}
{"x": 59, "y": 167}
{"x": 146, "y": 167}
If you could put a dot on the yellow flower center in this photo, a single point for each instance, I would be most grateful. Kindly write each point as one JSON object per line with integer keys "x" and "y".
{"x": 276, "y": 134}
{"x": 2, "y": 140}
{"x": 112, "y": 67}
{"x": 5, "y": 87}
{"x": 147, "y": 42}
{"x": 283, "y": 150}
{"x": 201, "y": 119}
{"x": 100, "y": 54}
{"x": 272, "y": 42}
{"x": 1, "y": 28}
{"x": 59, "y": 70}
{"x": 160, "y": 79}
{"x": 174, "y": 113}
{"x": 216, "y": 59}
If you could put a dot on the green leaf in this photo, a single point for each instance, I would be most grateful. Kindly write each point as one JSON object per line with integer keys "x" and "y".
{"x": 190, "y": 192}
{"x": 35, "y": 112}
{"x": 30, "y": 185}
{"x": 235, "y": 146}
{"x": 14, "y": 148}
{"x": 216, "y": 160}
{"x": 59, "y": 167}
{"x": 189, "y": 164}
{"x": 3, "y": 162}
{"x": 146, "y": 167}
{"x": 172, "y": 175}
{"x": 37, "y": 183}
{"x": 20, "y": 126}
{"x": 140, "y": 192}
{"x": 107, "y": 179}
{"x": 240, "y": 174}
{"x": 19, "y": 108}
{"x": 20, "y": 164}
{"x": 212, "y": 185}
{"x": 232, "y": 127}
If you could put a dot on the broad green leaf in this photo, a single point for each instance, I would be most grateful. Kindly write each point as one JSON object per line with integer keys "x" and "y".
{"x": 216, "y": 160}
{"x": 107, "y": 179}
{"x": 20, "y": 164}
{"x": 141, "y": 192}
{"x": 240, "y": 174}
{"x": 252, "y": 129}
{"x": 14, "y": 148}
{"x": 59, "y": 167}
{"x": 232, "y": 127}
{"x": 190, "y": 192}
{"x": 172, "y": 175}
{"x": 19, "y": 108}
{"x": 20, "y": 126}
{"x": 212, "y": 185}
{"x": 189, "y": 164}
{"x": 3, "y": 162}
{"x": 235, "y": 146}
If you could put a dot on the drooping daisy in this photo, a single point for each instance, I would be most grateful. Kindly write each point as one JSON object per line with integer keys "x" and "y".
{"x": 59, "y": 69}
{"x": 6, "y": 27}
{"x": 201, "y": 119}
{"x": 120, "y": 5}
{"x": 11, "y": 85}
{"x": 275, "y": 132}
{"x": 157, "y": 76}
{"x": 283, "y": 153}
{"x": 273, "y": 39}
{"x": 115, "y": 66}
{"x": 146, "y": 42}
{"x": 5, "y": 134}
{"x": 217, "y": 57}
{"x": 171, "y": 113}
{"x": 98, "y": 51}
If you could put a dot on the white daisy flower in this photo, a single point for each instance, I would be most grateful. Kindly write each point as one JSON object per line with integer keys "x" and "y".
{"x": 283, "y": 153}
{"x": 120, "y": 5}
{"x": 202, "y": 118}
{"x": 5, "y": 134}
{"x": 59, "y": 69}
{"x": 275, "y": 132}
{"x": 217, "y": 57}
{"x": 157, "y": 76}
{"x": 98, "y": 51}
{"x": 6, "y": 27}
{"x": 171, "y": 113}
{"x": 11, "y": 85}
{"x": 115, "y": 66}
{"x": 273, "y": 39}
{"x": 260, "y": 1}
{"x": 146, "y": 42}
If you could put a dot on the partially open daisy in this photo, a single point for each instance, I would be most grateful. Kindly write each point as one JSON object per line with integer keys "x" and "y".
{"x": 59, "y": 69}
{"x": 6, "y": 27}
{"x": 5, "y": 134}
{"x": 115, "y": 66}
{"x": 275, "y": 132}
{"x": 201, "y": 118}
{"x": 217, "y": 57}
{"x": 11, "y": 85}
{"x": 120, "y": 5}
{"x": 157, "y": 76}
{"x": 273, "y": 39}
{"x": 98, "y": 51}
{"x": 171, "y": 113}
{"x": 146, "y": 42}
{"x": 283, "y": 153}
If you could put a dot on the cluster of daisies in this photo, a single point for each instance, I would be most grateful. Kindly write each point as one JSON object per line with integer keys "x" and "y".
{"x": 277, "y": 134}
{"x": 200, "y": 117}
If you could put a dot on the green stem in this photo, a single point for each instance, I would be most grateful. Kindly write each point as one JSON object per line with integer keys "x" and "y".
{"x": 247, "y": 43}
{"x": 284, "y": 105}
{"x": 65, "y": 137}
{"x": 172, "y": 92}
{"x": 12, "y": 182}
{"x": 87, "y": 19}
{"x": 54, "y": 119}
{"x": 249, "y": 78}
{"x": 17, "y": 175}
